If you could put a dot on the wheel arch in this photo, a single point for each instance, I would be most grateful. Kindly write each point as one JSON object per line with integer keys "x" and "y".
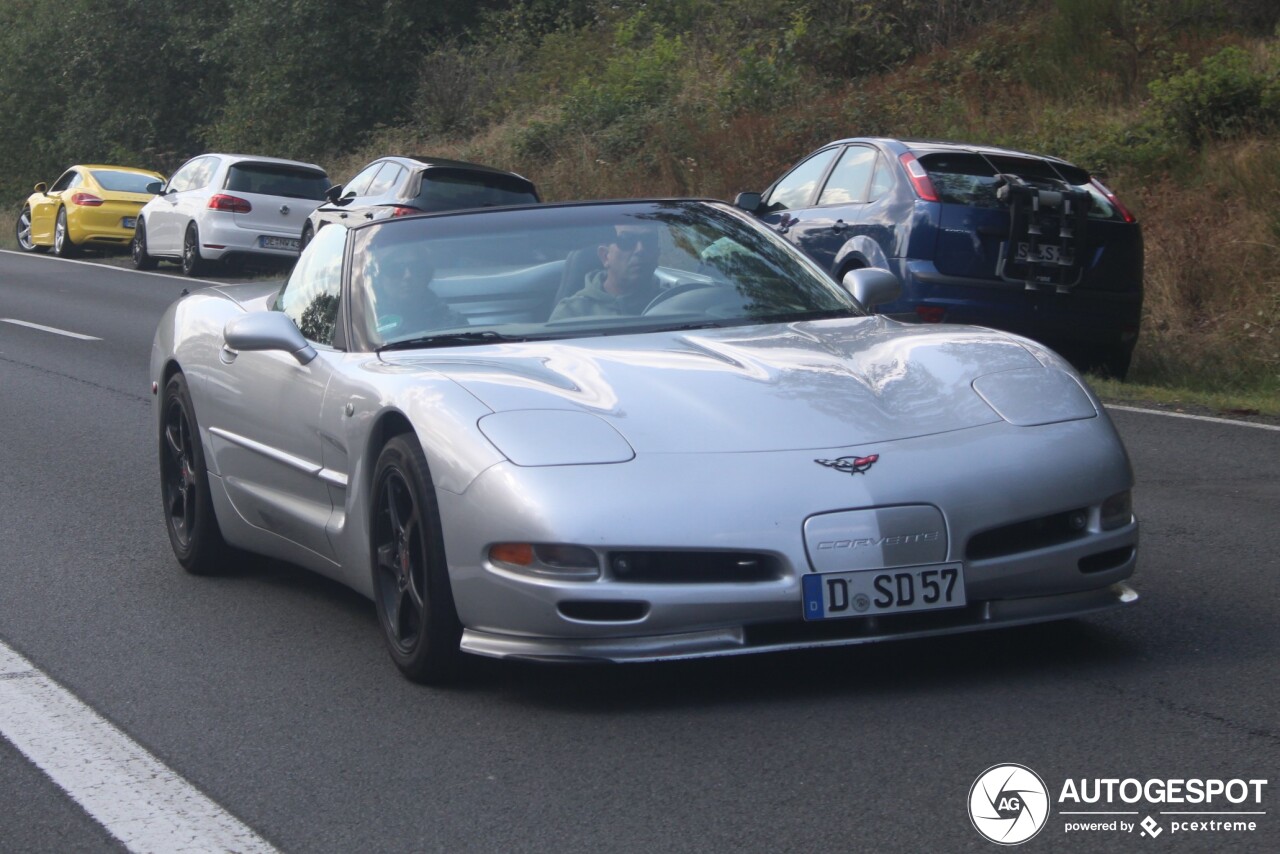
{"x": 390, "y": 424}
{"x": 859, "y": 251}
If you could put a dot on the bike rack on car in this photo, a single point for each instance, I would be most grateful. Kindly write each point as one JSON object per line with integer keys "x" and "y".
{"x": 1055, "y": 219}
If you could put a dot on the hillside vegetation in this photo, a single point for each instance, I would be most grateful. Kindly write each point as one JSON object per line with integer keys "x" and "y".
{"x": 1175, "y": 102}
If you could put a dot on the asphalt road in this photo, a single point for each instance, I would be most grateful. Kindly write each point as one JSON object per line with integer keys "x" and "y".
{"x": 271, "y": 692}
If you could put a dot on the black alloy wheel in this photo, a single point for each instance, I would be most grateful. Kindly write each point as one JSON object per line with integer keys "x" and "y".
{"x": 410, "y": 578}
{"x": 184, "y": 486}
{"x": 192, "y": 264}
{"x": 23, "y": 232}
{"x": 138, "y": 248}
{"x": 62, "y": 245}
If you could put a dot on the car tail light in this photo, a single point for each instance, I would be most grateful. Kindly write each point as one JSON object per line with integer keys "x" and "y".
{"x": 86, "y": 199}
{"x": 403, "y": 210}
{"x": 1111, "y": 197}
{"x": 930, "y": 313}
{"x": 234, "y": 204}
{"x": 919, "y": 177}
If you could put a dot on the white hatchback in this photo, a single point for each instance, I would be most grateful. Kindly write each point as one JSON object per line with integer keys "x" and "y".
{"x": 218, "y": 206}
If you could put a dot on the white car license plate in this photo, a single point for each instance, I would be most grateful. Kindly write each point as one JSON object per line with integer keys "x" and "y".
{"x": 1047, "y": 253}
{"x": 128, "y": 222}
{"x": 868, "y": 592}
{"x": 268, "y": 242}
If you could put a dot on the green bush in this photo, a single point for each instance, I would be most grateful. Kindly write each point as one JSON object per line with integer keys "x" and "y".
{"x": 1229, "y": 93}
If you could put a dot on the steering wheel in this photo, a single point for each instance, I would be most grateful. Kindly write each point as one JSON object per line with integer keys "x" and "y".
{"x": 675, "y": 292}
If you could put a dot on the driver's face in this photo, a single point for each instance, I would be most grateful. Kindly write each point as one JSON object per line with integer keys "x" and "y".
{"x": 632, "y": 256}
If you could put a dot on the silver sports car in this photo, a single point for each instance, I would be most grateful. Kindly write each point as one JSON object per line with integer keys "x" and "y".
{"x": 630, "y": 431}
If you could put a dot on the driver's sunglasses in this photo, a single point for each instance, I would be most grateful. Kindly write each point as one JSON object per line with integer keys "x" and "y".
{"x": 628, "y": 241}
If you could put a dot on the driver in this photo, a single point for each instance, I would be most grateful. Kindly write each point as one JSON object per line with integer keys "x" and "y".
{"x": 626, "y": 284}
{"x": 403, "y": 300}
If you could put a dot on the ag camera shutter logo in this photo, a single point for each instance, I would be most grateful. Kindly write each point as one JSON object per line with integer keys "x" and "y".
{"x": 1008, "y": 804}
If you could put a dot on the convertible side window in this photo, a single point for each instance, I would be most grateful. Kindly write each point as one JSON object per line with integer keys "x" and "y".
{"x": 314, "y": 290}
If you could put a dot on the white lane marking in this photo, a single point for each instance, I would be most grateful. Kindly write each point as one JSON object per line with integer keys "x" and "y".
{"x": 101, "y": 266}
{"x": 1208, "y": 418}
{"x": 124, "y": 788}
{"x": 52, "y": 329}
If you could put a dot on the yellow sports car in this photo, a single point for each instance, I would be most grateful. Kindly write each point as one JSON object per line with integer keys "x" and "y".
{"x": 88, "y": 205}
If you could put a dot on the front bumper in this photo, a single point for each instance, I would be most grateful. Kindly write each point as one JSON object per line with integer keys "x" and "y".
{"x": 977, "y": 616}
{"x": 980, "y": 479}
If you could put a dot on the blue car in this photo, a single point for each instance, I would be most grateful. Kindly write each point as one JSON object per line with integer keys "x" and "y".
{"x": 976, "y": 234}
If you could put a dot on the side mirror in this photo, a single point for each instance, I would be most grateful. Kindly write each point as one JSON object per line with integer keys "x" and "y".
{"x": 872, "y": 286}
{"x": 333, "y": 193}
{"x": 155, "y": 188}
{"x": 267, "y": 330}
{"x": 749, "y": 202}
{"x": 42, "y": 187}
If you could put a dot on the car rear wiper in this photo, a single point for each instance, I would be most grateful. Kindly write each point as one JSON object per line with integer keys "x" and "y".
{"x": 446, "y": 339}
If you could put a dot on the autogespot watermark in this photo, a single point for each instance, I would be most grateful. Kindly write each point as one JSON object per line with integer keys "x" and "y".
{"x": 1009, "y": 804}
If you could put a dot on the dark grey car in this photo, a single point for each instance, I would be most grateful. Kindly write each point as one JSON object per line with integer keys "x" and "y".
{"x": 400, "y": 186}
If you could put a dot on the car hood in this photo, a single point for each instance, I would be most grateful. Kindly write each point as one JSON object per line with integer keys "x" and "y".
{"x": 820, "y": 384}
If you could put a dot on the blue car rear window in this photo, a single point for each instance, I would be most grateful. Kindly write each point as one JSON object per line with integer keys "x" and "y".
{"x": 966, "y": 178}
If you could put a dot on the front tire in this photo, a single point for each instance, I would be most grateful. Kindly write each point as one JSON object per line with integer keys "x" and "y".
{"x": 192, "y": 264}
{"x": 307, "y": 234}
{"x": 138, "y": 248}
{"x": 23, "y": 232}
{"x": 62, "y": 245}
{"x": 184, "y": 485}
{"x": 412, "y": 594}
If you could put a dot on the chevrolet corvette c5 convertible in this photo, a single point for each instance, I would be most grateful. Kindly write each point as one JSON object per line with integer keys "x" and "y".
{"x": 630, "y": 431}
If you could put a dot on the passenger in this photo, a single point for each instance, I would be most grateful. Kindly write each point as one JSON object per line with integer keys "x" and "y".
{"x": 403, "y": 299}
{"x": 626, "y": 284}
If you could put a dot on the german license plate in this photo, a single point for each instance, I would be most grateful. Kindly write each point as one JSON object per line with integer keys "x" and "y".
{"x": 268, "y": 242}
{"x": 1046, "y": 253}
{"x": 129, "y": 222}
{"x": 868, "y": 592}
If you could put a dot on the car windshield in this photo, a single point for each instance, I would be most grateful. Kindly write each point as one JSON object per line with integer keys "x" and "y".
{"x": 268, "y": 179}
{"x": 967, "y": 178}
{"x": 576, "y": 271}
{"x": 455, "y": 189}
{"x": 116, "y": 181}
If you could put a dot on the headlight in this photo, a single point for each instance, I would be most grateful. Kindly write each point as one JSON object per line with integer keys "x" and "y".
{"x": 555, "y": 437}
{"x": 575, "y": 563}
{"x": 1117, "y": 511}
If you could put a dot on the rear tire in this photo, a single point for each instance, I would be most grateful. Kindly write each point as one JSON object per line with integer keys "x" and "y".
{"x": 192, "y": 264}
{"x": 62, "y": 245}
{"x": 1116, "y": 365}
{"x": 138, "y": 249}
{"x": 184, "y": 485}
{"x": 412, "y": 593}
